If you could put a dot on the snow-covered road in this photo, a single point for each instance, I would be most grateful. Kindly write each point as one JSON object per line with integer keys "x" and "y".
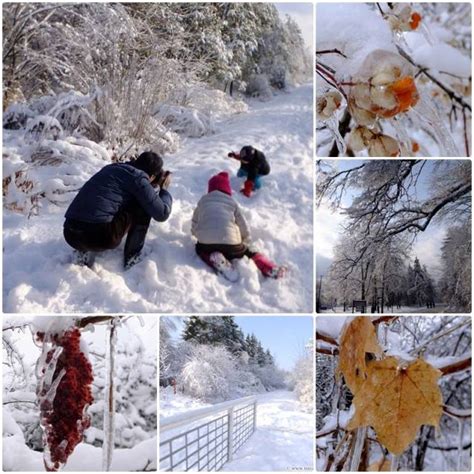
{"x": 39, "y": 276}
{"x": 283, "y": 440}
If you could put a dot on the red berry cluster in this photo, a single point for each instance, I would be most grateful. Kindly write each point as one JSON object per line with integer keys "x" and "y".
{"x": 65, "y": 420}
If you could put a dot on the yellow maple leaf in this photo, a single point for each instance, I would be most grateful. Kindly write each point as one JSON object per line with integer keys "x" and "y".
{"x": 358, "y": 338}
{"x": 396, "y": 399}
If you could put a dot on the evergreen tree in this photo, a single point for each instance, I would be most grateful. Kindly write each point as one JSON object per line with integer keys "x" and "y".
{"x": 215, "y": 330}
{"x": 269, "y": 360}
{"x": 196, "y": 330}
{"x": 420, "y": 286}
{"x": 260, "y": 356}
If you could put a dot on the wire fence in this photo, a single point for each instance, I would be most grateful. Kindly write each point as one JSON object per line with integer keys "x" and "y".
{"x": 205, "y": 439}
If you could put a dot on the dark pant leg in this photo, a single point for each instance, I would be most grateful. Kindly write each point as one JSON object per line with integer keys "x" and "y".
{"x": 230, "y": 252}
{"x": 89, "y": 237}
{"x": 138, "y": 228}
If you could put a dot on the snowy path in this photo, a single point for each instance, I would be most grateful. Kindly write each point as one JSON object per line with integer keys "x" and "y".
{"x": 38, "y": 275}
{"x": 283, "y": 440}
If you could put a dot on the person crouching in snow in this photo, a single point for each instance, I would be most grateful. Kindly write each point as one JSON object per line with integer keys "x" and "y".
{"x": 121, "y": 199}
{"x": 253, "y": 165}
{"x": 222, "y": 233}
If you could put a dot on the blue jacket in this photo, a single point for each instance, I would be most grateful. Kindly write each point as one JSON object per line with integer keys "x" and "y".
{"x": 112, "y": 189}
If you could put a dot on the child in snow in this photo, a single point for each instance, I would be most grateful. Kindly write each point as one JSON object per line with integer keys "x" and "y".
{"x": 222, "y": 233}
{"x": 253, "y": 165}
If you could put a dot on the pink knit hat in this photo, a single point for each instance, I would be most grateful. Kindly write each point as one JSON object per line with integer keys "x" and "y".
{"x": 220, "y": 182}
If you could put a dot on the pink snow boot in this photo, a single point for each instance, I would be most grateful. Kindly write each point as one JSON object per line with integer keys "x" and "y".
{"x": 267, "y": 267}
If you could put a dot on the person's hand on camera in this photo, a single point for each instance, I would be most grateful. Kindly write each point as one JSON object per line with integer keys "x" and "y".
{"x": 234, "y": 155}
{"x": 165, "y": 180}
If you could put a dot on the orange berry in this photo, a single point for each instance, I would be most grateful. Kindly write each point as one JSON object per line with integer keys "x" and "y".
{"x": 415, "y": 147}
{"x": 415, "y": 20}
{"x": 405, "y": 92}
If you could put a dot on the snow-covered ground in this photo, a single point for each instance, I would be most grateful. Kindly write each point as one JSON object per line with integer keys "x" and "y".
{"x": 84, "y": 458}
{"x": 283, "y": 440}
{"x": 440, "y": 308}
{"x": 39, "y": 276}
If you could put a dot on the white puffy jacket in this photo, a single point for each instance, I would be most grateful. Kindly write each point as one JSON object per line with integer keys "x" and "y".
{"x": 217, "y": 220}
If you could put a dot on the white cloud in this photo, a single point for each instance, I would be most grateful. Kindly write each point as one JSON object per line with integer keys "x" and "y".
{"x": 428, "y": 250}
{"x": 327, "y": 230}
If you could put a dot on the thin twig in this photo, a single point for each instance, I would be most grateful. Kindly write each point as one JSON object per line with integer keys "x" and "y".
{"x": 331, "y": 51}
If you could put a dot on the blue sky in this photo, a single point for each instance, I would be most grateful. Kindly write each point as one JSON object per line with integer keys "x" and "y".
{"x": 285, "y": 336}
{"x": 302, "y": 13}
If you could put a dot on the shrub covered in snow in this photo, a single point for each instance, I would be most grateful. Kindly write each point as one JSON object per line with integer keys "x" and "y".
{"x": 302, "y": 378}
{"x": 259, "y": 86}
{"x": 209, "y": 372}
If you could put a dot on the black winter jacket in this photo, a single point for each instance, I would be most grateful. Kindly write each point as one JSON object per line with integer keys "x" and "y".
{"x": 113, "y": 188}
{"x": 257, "y": 163}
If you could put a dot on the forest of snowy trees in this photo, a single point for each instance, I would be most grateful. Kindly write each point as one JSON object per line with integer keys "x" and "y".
{"x": 134, "y": 75}
{"x": 365, "y": 423}
{"x": 213, "y": 360}
{"x": 33, "y": 420}
{"x": 393, "y": 79}
{"x": 385, "y": 206}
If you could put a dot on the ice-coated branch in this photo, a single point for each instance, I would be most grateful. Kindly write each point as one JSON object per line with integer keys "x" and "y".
{"x": 327, "y": 350}
{"x": 109, "y": 401}
{"x": 425, "y": 344}
{"x": 83, "y": 322}
{"x": 459, "y": 366}
{"x": 384, "y": 319}
{"x": 449, "y": 448}
{"x": 457, "y": 412}
{"x": 451, "y": 94}
{"x": 323, "y": 337}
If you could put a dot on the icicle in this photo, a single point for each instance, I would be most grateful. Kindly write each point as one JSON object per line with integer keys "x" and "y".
{"x": 399, "y": 37}
{"x": 460, "y": 444}
{"x": 109, "y": 401}
{"x": 400, "y": 125}
{"x": 361, "y": 433}
{"x": 51, "y": 393}
{"x": 394, "y": 463}
{"x": 332, "y": 123}
{"x": 425, "y": 31}
{"x": 49, "y": 370}
{"x": 428, "y": 115}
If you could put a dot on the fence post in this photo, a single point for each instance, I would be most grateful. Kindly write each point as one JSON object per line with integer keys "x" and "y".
{"x": 230, "y": 434}
{"x": 254, "y": 415}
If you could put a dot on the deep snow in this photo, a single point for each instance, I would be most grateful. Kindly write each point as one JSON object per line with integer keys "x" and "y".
{"x": 84, "y": 458}
{"x": 283, "y": 440}
{"x": 39, "y": 276}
